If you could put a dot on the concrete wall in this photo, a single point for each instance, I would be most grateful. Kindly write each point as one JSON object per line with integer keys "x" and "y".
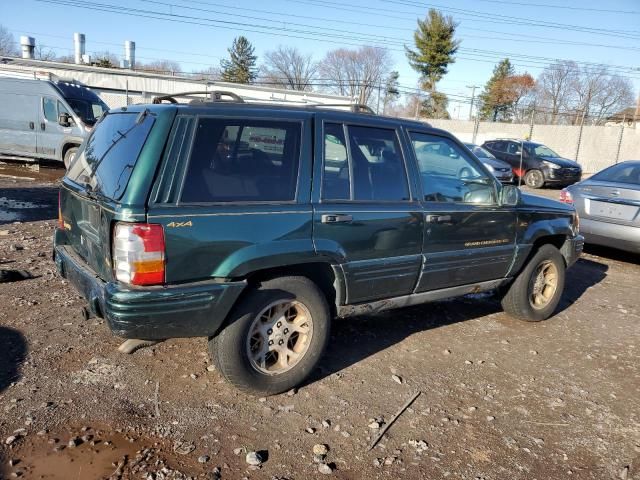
{"x": 598, "y": 144}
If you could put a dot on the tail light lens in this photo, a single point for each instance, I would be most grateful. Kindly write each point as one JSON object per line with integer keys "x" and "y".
{"x": 139, "y": 253}
{"x": 565, "y": 196}
{"x": 519, "y": 172}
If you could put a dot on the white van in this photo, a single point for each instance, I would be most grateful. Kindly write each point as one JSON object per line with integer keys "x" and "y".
{"x": 45, "y": 118}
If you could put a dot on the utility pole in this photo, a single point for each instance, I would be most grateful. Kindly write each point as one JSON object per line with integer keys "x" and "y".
{"x": 473, "y": 96}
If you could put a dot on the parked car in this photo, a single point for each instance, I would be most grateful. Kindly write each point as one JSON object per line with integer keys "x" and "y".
{"x": 535, "y": 163}
{"x": 254, "y": 225}
{"x": 501, "y": 170}
{"x": 46, "y": 119}
{"x": 609, "y": 206}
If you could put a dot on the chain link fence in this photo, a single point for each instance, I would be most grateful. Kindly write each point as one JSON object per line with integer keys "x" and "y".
{"x": 593, "y": 147}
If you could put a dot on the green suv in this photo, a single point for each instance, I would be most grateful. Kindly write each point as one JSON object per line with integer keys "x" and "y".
{"x": 255, "y": 225}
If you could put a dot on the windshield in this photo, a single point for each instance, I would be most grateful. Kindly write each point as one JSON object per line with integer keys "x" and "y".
{"x": 105, "y": 160}
{"x": 621, "y": 173}
{"x": 544, "y": 151}
{"x": 480, "y": 152}
{"x": 89, "y": 111}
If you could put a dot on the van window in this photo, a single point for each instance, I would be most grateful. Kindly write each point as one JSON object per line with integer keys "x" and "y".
{"x": 243, "y": 161}
{"x": 49, "y": 108}
{"x": 335, "y": 177}
{"x": 106, "y": 159}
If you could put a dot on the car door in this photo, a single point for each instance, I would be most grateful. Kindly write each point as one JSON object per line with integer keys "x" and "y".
{"x": 469, "y": 238}
{"x": 18, "y": 118}
{"x": 366, "y": 217}
{"x": 49, "y": 131}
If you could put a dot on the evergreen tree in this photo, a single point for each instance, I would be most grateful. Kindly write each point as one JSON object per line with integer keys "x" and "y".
{"x": 435, "y": 106}
{"x": 241, "y": 66}
{"x": 435, "y": 48}
{"x": 391, "y": 92}
{"x": 494, "y": 100}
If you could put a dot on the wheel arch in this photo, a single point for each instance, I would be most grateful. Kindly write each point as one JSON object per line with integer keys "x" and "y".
{"x": 69, "y": 144}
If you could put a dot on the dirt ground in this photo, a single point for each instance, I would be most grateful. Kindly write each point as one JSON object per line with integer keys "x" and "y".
{"x": 500, "y": 398}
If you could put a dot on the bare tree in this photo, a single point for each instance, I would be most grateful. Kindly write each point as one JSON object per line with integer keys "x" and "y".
{"x": 210, "y": 74}
{"x": 286, "y": 67}
{"x": 8, "y": 44}
{"x": 616, "y": 94}
{"x": 42, "y": 52}
{"x": 160, "y": 66}
{"x": 554, "y": 89}
{"x": 356, "y": 73}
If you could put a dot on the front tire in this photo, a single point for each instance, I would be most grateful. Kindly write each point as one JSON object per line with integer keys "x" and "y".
{"x": 534, "y": 179}
{"x": 536, "y": 291}
{"x": 274, "y": 337}
{"x": 69, "y": 155}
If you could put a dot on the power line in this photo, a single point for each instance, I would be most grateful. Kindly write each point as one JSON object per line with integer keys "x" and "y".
{"x": 548, "y": 5}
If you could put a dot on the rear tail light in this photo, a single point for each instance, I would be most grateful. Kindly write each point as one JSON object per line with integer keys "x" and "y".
{"x": 566, "y": 197}
{"x": 519, "y": 172}
{"x": 139, "y": 253}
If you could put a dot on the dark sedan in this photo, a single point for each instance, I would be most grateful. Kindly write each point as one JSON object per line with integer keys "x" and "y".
{"x": 608, "y": 204}
{"x": 501, "y": 170}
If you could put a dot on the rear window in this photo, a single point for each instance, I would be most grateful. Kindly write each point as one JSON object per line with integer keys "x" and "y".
{"x": 105, "y": 161}
{"x": 621, "y": 173}
{"x": 243, "y": 161}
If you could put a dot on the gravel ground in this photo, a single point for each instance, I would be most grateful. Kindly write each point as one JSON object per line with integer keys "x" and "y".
{"x": 499, "y": 398}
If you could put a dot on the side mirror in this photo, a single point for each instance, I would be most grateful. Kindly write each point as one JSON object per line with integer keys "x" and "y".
{"x": 64, "y": 119}
{"x": 509, "y": 195}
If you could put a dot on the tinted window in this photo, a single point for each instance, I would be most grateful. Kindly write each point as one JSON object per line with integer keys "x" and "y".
{"x": 49, "y": 107}
{"x": 377, "y": 164}
{"x": 105, "y": 161}
{"x": 621, "y": 173}
{"x": 498, "y": 146}
{"x": 513, "y": 148}
{"x": 243, "y": 161}
{"x": 448, "y": 173}
{"x": 335, "y": 177}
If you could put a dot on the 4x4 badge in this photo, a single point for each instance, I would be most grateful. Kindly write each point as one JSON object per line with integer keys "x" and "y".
{"x": 180, "y": 224}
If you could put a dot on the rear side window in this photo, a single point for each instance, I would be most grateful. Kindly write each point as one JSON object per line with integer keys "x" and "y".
{"x": 374, "y": 170}
{"x": 106, "y": 159}
{"x": 243, "y": 161}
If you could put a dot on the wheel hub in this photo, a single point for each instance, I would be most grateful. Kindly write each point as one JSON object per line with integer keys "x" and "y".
{"x": 544, "y": 284}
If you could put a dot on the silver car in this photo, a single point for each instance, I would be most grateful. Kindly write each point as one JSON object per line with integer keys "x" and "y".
{"x": 608, "y": 204}
{"x": 501, "y": 170}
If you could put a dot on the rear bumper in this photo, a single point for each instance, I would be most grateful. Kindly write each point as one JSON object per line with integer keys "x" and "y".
{"x": 151, "y": 313}
{"x": 572, "y": 249}
{"x": 624, "y": 237}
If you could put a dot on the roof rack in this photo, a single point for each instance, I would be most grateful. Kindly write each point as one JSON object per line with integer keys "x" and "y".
{"x": 214, "y": 96}
{"x": 354, "y": 107}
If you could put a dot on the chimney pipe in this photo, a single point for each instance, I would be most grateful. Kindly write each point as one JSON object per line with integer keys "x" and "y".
{"x": 130, "y": 54}
{"x": 28, "y": 46}
{"x": 78, "y": 47}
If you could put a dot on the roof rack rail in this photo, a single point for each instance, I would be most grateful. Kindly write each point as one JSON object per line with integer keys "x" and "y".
{"x": 354, "y": 107}
{"x": 214, "y": 96}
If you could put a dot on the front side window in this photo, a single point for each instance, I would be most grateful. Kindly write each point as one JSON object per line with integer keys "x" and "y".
{"x": 49, "y": 108}
{"x": 374, "y": 170}
{"x": 243, "y": 161}
{"x": 514, "y": 148}
{"x": 448, "y": 174}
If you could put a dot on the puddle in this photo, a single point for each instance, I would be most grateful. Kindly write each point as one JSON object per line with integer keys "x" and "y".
{"x": 13, "y": 210}
{"x": 99, "y": 454}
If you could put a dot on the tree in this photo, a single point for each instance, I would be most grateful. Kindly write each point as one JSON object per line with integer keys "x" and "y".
{"x": 241, "y": 66}
{"x": 494, "y": 100}
{"x": 160, "y": 66}
{"x": 42, "y": 52}
{"x": 8, "y": 43}
{"x": 106, "y": 59}
{"x": 435, "y": 106}
{"x": 599, "y": 93}
{"x": 554, "y": 89}
{"x": 356, "y": 73}
{"x": 286, "y": 67}
{"x": 391, "y": 90}
{"x": 435, "y": 48}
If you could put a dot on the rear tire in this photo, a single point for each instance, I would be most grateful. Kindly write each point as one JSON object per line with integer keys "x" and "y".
{"x": 69, "y": 155}
{"x": 534, "y": 179}
{"x": 274, "y": 337}
{"x": 536, "y": 291}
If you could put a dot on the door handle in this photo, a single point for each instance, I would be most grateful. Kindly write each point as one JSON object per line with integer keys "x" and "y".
{"x": 32, "y": 125}
{"x": 42, "y": 126}
{"x": 336, "y": 218}
{"x": 439, "y": 219}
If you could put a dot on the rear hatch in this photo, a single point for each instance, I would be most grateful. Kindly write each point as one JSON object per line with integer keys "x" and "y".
{"x": 609, "y": 202}
{"x": 90, "y": 198}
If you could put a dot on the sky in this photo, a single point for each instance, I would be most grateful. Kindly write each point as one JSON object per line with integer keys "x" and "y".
{"x": 531, "y": 33}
